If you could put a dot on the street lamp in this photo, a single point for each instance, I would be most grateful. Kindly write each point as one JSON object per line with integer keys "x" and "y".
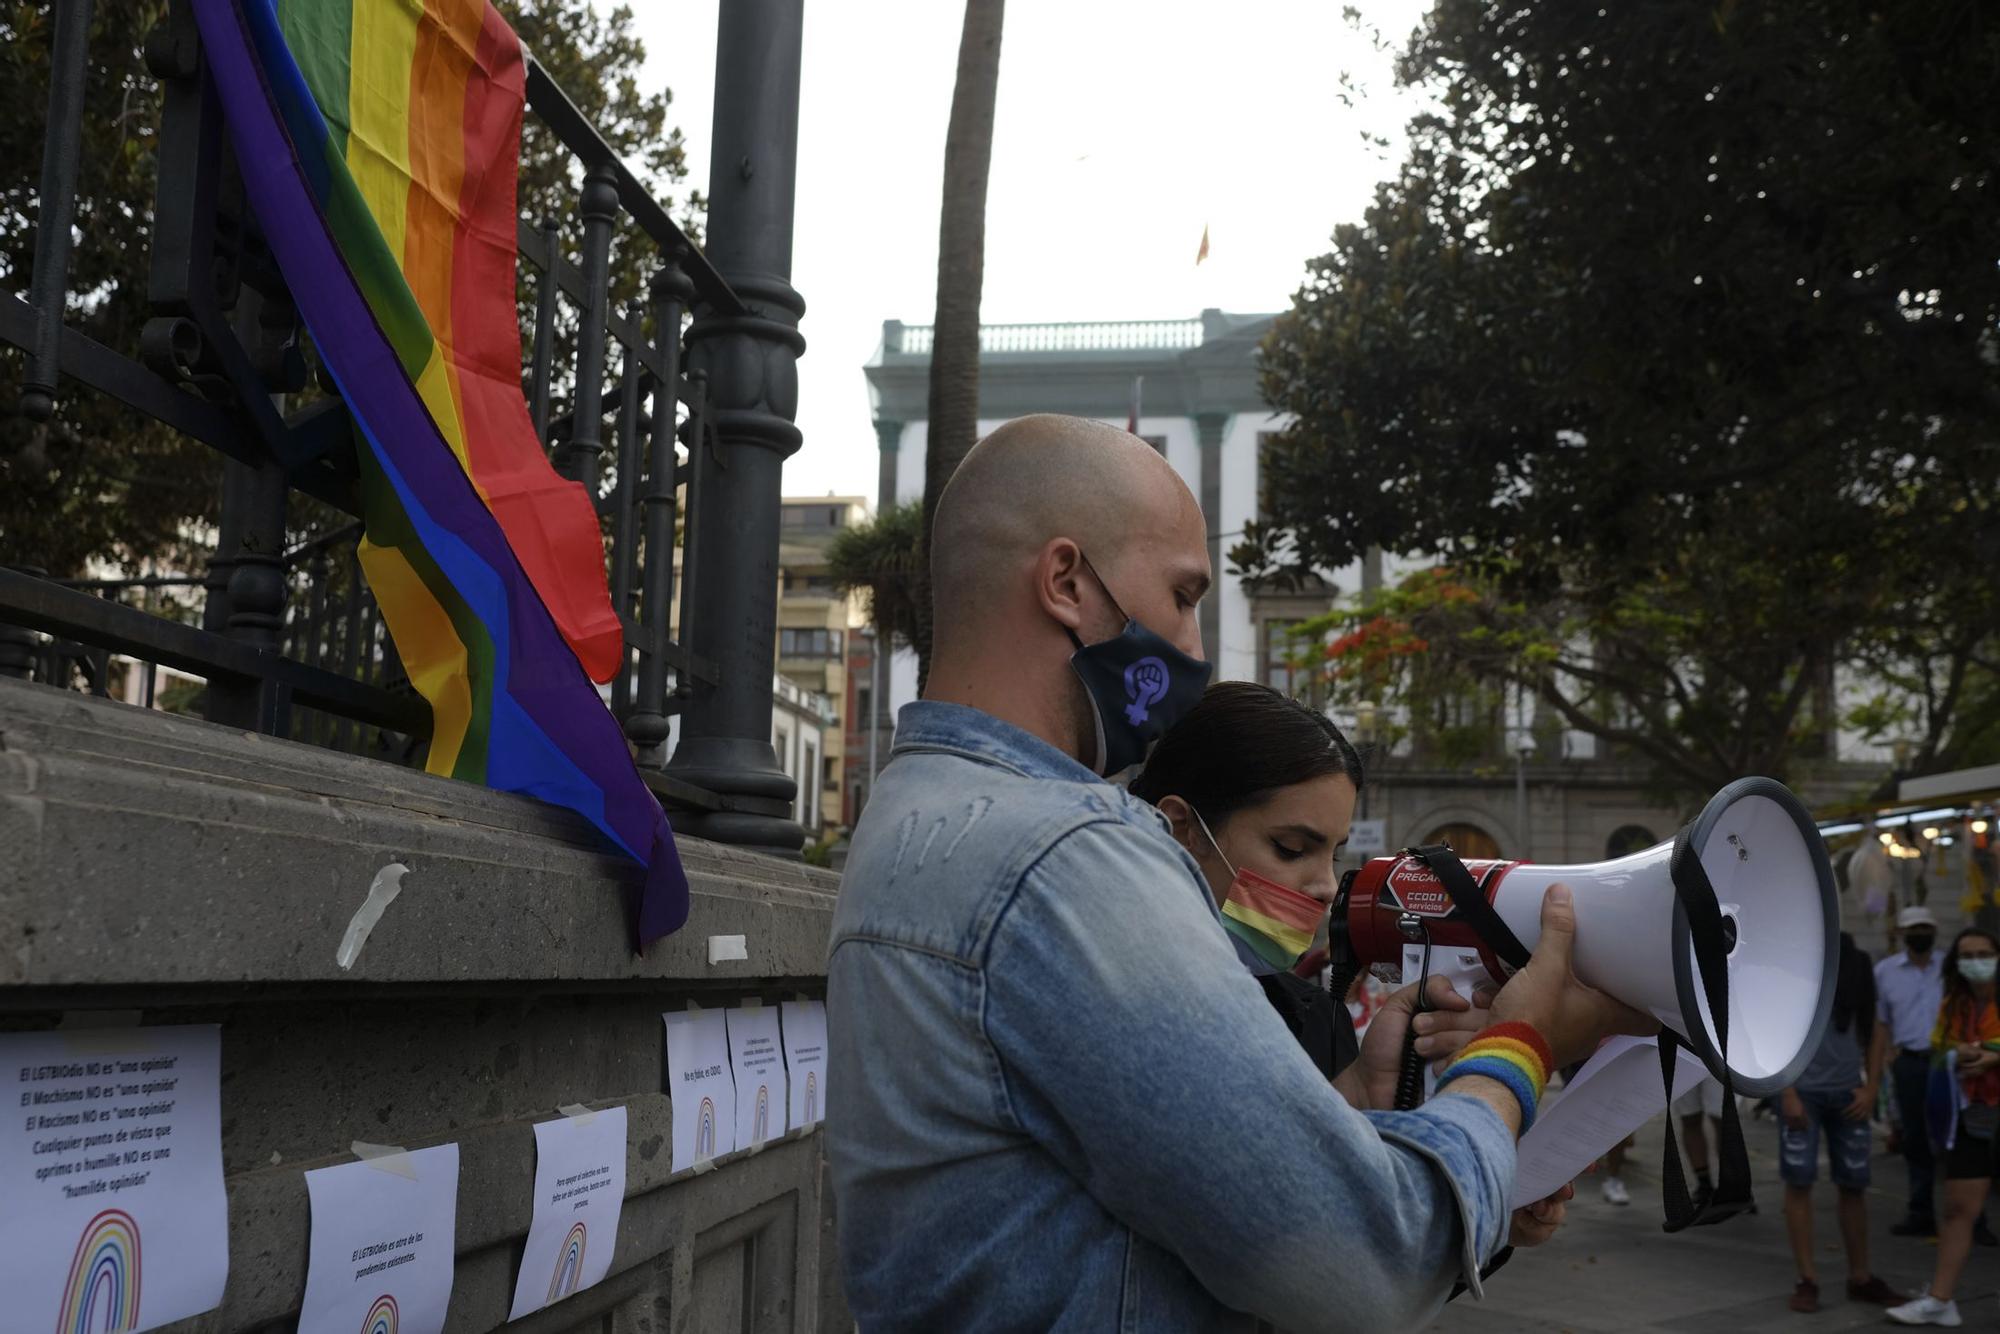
{"x": 1523, "y": 749}
{"x": 1365, "y": 714}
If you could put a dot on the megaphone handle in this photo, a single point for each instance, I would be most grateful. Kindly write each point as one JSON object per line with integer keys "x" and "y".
{"x": 1410, "y": 1075}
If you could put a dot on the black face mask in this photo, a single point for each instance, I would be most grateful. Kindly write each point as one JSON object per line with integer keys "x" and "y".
{"x": 1138, "y": 684}
{"x": 1919, "y": 942}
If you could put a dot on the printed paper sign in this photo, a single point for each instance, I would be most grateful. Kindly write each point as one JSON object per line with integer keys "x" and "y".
{"x": 805, "y": 1058}
{"x": 112, "y": 1212}
{"x": 700, "y": 1086}
{"x": 579, "y": 1193}
{"x": 1618, "y": 1090}
{"x": 759, "y": 1062}
{"x": 1367, "y": 838}
{"x": 380, "y": 1259}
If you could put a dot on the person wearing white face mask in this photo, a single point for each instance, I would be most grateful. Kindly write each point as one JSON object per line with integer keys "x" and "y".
{"x": 1968, "y": 1036}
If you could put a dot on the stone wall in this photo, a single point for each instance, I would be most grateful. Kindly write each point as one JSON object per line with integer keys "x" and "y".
{"x": 196, "y": 874}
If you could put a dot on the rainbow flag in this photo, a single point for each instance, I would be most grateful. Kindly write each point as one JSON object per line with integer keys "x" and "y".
{"x": 1275, "y": 922}
{"x": 487, "y": 567}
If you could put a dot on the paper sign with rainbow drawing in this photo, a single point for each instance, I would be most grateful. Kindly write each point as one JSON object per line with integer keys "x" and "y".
{"x": 112, "y": 1210}
{"x": 805, "y": 1060}
{"x": 381, "y": 1245}
{"x": 758, "y": 1060}
{"x": 579, "y": 1195}
{"x": 700, "y": 1086}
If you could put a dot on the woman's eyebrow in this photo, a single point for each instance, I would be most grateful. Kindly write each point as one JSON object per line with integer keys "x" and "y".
{"x": 1304, "y": 831}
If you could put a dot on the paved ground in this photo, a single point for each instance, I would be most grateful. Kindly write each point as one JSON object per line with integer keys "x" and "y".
{"x": 1612, "y": 1269}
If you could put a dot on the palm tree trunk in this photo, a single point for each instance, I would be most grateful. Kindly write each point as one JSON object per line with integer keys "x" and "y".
{"x": 954, "y": 398}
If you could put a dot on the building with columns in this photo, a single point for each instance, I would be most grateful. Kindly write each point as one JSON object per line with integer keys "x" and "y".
{"x": 1506, "y": 781}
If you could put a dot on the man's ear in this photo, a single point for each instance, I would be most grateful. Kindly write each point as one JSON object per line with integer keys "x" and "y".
{"x": 1180, "y": 819}
{"x": 1059, "y": 576}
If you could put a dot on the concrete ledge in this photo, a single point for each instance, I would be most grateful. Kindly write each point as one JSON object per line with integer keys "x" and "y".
{"x": 142, "y": 849}
{"x": 199, "y": 874}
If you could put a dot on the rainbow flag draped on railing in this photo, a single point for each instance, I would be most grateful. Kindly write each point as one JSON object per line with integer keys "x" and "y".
{"x": 377, "y": 138}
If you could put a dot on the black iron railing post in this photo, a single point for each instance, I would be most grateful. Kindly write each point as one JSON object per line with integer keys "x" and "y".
{"x": 647, "y": 724}
{"x": 578, "y": 457}
{"x": 62, "y": 157}
{"x": 752, "y": 364}
{"x": 624, "y": 503}
{"x": 546, "y": 292}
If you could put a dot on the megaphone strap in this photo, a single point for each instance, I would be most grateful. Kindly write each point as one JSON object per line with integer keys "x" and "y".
{"x": 1703, "y": 915}
{"x": 1471, "y": 901}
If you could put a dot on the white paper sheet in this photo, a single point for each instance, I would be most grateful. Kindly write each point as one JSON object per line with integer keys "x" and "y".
{"x": 805, "y": 1060}
{"x": 700, "y": 1086}
{"x": 762, "y": 1113}
{"x": 1617, "y": 1091}
{"x": 112, "y": 1211}
{"x": 579, "y": 1194}
{"x": 382, "y": 1245}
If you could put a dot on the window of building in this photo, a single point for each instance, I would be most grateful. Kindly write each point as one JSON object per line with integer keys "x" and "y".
{"x": 797, "y": 643}
{"x": 1628, "y": 839}
{"x": 864, "y": 699}
{"x": 820, "y": 585}
{"x": 1467, "y": 840}
{"x": 1279, "y": 650}
{"x": 813, "y": 516}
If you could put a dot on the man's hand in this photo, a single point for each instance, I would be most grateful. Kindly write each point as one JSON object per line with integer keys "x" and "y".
{"x": 1792, "y": 1108}
{"x": 1450, "y": 1023}
{"x": 1863, "y": 1106}
{"x": 1538, "y": 1222}
{"x": 1571, "y": 1017}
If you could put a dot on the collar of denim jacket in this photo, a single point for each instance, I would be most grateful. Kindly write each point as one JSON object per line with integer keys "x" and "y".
{"x": 936, "y": 726}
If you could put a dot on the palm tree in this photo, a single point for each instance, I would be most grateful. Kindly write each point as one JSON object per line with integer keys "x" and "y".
{"x": 954, "y": 399}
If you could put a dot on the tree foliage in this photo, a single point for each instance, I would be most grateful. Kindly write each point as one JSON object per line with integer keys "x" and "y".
{"x": 1675, "y": 339}
{"x": 879, "y": 560}
{"x": 105, "y": 483}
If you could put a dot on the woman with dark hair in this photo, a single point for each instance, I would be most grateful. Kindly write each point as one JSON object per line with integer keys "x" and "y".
{"x": 1968, "y": 1033}
{"x": 1260, "y": 790}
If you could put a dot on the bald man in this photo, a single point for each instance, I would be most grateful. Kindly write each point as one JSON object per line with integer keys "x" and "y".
{"x": 1056, "y": 1100}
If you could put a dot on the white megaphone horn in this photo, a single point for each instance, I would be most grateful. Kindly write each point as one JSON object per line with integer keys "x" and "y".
{"x": 1780, "y": 927}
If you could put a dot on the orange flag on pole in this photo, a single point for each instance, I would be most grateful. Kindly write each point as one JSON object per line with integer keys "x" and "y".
{"x": 1202, "y": 253}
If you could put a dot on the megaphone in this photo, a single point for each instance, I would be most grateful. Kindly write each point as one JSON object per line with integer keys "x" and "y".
{"x": 1780, "y": 925}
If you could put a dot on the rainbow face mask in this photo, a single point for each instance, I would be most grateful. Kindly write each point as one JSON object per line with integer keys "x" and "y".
{"x": 1277, "y": 923}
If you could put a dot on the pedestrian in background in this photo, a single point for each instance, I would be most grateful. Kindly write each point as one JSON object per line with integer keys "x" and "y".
{"x": 1908, "y": 991}
{"x": 1968, "y": 1032}
{"x": 1833, "y": 1098}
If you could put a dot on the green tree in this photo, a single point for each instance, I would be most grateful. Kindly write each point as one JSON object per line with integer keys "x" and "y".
{"x": 879, "y": 560}
{"x": 954, "y": 388}
{"x": 1674, "y": 339}
{"x": 102, "y": 482}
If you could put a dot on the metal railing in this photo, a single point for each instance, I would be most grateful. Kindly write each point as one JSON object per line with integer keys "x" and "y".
{"x": 1107, "y": 336}
{"x": 289, "y": 639}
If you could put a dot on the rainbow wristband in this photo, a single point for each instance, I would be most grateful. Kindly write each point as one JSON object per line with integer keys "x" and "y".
{"x": 1515, "y": 1055}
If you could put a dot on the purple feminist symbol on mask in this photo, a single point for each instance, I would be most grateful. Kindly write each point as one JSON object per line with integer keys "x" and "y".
{"x": 1145, "y": 684}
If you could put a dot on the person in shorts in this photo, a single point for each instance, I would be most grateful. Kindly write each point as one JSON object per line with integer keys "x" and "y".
{"x": 1833, "y": 1100}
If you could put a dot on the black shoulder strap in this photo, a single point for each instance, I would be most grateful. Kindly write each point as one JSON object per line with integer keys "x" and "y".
{"x": 1711, "y": 954}
{"x": 1471, "y": 903}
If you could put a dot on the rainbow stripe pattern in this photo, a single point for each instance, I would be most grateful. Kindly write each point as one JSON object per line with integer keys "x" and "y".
{"x": 1513, "y": 1053}
{"x": 378, "y": 142}
{"x": 382, "y": 1316}
{"x": 1275, "y": 922}
{"x": 704, "y": 1130}
{"x": 102, "y": 1295}
{"x": 569, "y": 1264}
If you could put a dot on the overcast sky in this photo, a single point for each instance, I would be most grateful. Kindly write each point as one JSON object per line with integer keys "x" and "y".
{"x": 1123, "y": 127}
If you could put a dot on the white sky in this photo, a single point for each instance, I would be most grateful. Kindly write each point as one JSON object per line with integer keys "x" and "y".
{"x": 1122, "y": 127}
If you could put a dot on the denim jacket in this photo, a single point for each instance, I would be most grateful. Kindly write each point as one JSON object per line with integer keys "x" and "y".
{"x": 1057, "y": 1101}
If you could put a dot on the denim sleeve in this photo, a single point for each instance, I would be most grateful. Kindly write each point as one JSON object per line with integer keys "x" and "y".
{"x": 1135, "y": 1048}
